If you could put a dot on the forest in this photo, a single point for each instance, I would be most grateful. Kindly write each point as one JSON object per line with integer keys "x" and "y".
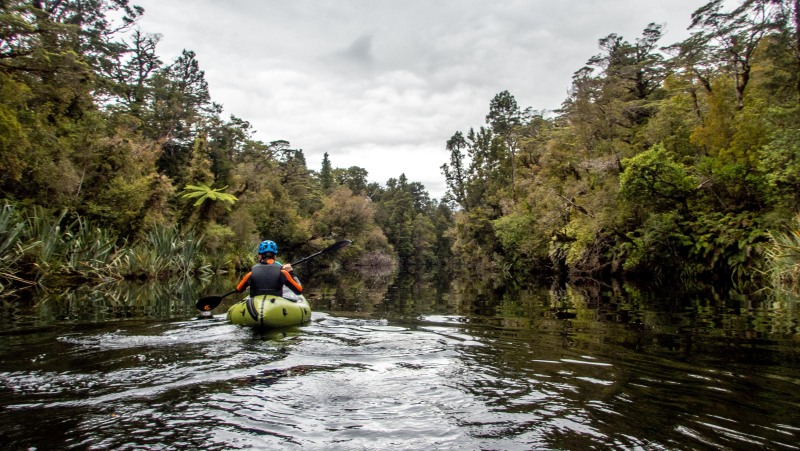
{"x": 666, "y": 162}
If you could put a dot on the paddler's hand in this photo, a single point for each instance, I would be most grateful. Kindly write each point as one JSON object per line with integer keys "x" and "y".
{"x": 287, "y": 267}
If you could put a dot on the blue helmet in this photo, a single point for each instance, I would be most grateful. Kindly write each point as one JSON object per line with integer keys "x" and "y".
{"x": 268, "y": 246}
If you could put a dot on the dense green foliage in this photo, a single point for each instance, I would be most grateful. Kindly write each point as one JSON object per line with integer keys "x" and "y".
{"x": 676, "y": 162}
{"x": 96, "y": 129}
{"x": 669, "y": 162}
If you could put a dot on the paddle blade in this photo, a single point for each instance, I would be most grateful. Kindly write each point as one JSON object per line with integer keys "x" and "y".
{"x": 338, "y": 245}
{"x": 208, "y": 303}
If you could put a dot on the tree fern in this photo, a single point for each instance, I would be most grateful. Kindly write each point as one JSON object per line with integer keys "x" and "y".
{"x": 204, "y": 192}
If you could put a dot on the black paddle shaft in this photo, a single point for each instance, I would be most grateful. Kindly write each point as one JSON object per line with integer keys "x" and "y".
{"x": 333, "y": 247}
{"x": 211, "y": 302}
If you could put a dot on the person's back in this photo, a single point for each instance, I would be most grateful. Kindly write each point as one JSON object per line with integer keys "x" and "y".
{"x": 268, "y": 277}
{"x": 265, "y": 278}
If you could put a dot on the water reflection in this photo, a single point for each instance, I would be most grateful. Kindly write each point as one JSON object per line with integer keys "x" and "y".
{"x": 618, "y": 314}
{"x": 734, "y": 328}
{"x": 391, "y": 362}
{"x": 108, "y": 301}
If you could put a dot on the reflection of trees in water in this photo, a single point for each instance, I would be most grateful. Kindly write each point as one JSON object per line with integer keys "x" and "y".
{"x": 378, "y": 292}
{"x": 601, "y": 314}
{"x": 729, "y": 325}
{"x": 108, "y": 301}
{"x": 683, "y": 324}
{"x": 350, "y": 293}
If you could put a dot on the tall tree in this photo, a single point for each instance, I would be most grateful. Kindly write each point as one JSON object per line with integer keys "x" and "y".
{"x": 181, "y": 107}
{"x": 227, "y": 141}
{"x": 455, "y": 173}
{"x": 133, "y": 76}
{"x": 733, "y": 36}
{"x": 326, "y": 174}
{"x": 504, "y": 117}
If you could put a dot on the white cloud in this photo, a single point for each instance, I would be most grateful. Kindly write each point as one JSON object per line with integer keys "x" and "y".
{"x": 383, "y": 84}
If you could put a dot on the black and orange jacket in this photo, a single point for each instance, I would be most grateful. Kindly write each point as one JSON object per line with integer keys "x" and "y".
{"x": 269, "y": 277}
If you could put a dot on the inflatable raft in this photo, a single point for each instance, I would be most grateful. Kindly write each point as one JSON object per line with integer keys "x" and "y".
{"x": 270, "y": 311}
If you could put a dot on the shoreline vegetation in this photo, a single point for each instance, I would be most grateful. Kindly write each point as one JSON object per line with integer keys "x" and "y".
{"x": 666, "y": 163}
{"x": 36, "y": 246}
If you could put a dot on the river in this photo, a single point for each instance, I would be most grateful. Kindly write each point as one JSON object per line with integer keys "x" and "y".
{"x": 388, "y": 364}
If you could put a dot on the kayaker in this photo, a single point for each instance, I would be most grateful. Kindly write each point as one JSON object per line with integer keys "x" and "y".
{"x": 269, "y": 276}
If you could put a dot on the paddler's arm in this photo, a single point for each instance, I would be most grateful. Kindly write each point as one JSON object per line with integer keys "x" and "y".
{"x": 243, "y": 283}
{"x": 290, "y": 280}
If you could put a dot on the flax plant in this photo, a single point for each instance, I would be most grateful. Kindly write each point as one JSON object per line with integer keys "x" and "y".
{"x": 783, "y": 255}
{"x": 47, "y": 247}
{"x": 36, "y": 246}
{"x": 91, "y": 252}
{"x": 12, "y": 246}
{"x": 76, "y": 249}
{"x": 163, "y": 252}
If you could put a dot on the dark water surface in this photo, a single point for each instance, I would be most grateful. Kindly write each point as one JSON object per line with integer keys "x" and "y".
{"x": 387, "y": 365}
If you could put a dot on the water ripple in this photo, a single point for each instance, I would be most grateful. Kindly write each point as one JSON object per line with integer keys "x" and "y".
{"x": 344, "y": 383}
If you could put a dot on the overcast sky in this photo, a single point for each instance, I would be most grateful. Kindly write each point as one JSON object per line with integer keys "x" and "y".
{"x": 383, "y": 84}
